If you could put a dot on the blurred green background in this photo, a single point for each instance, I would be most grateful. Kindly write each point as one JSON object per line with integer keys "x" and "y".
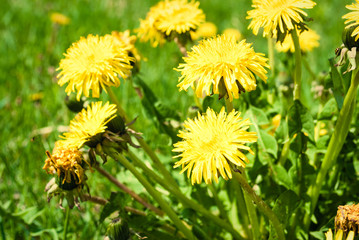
{"x": 30, "y": 51}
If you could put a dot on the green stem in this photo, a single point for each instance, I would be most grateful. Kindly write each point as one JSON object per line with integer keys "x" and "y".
{"x": 219, "y": 203}
{"x": 306, "y": 65}
{"x": 66, "y": 224}
{"x": 141, "y": 141}
{"x": 252, "y": 215}
{"x": 285, "y": 151}
{"x": 156, "y": 195}
{"x": 271, "y": 55}
{"x": 242, "y": 212}
{"x": 229, "y": 105}
{"x": 298, "y": 66}
{"x": 262, "y": 206}
{"x": 336, "y": 143}
{"x": 182, "y": 198}
{"x": 198, "y": 103}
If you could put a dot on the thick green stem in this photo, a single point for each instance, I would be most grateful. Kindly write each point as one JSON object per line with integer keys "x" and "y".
{"x": 156, "y": 195}
{"x": 298, "y": 66}
{"x": 182, "y": 198}
{"x": 271, "y": 55}
{"x": 219, "y": 203}
{"x": 335, "y": 145}
{"x": 141, "y": 141}
{"x": 66, "y": 224}
{"x": 229, "y": 105}
{"x": 262, "y": 206}
{"x": 252, "y": 215}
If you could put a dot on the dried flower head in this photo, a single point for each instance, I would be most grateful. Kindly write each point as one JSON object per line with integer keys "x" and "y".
{"x": 93, "y": 63}
{"x": 347, "y": 218}
{"x": 211, "y": 143}
{"x": 66, "y": 162}
{"x": 277, "y": 16}
{"x": 222, "y": 62}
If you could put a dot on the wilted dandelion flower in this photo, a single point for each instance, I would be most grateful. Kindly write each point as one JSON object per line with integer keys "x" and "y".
{"x": 93, "y": 63}
{"x": 205, "y": 30}
{"x": 353, "y": 17}
{"x": 170, "y": 16}
{"x": 307, "y": 40}
{"x": 59, "y": 18}
{"x": 277, "y": 15}
{"x": 222, "y": 61}
{"x": 232, "y": 32}
{"x": 66, "y": 162}
{"x": 211, "y": 144}
{"x": 89, "y": 124}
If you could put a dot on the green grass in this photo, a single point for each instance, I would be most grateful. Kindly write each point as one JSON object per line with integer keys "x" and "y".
{"x": 28, "y": 66}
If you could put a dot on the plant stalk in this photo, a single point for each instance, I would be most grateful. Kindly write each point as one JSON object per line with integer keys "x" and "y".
{"x": 66, "y": 224}
{"x": 336, "y": 143}
{"x": 298, "y": 66}
{"x": 262, "y": 206}
{"x": 156, "y": 195}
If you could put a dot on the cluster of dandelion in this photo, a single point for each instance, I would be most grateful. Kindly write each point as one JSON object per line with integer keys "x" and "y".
{"x": 211, "y": 145}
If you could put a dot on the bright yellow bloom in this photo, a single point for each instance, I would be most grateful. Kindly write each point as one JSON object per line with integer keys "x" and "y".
{"x": 127, "y": 42}
{"x": 307, "y": 41}
{"x": 179, "y": 16}
{"x": 93, "y": 63}
{"x": 232, "y": 32}
{"x": 339, "y": 235}
{"x": 89, "y": 124}
{"x": 65, "y": 161}
{"x": 205, "y": 30}
{"x": 277, "y": 15}
{"x": 354, "y": 18}
{"x": 222, "y": 59}
{"x": 59, "y": 18}
{"x": 211, "y": 144}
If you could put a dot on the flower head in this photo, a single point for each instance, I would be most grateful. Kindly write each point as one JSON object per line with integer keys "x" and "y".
{"x": 127, "y": 42}
{"x": 232, "y": 32}
{"x": 89, "y": 124}
{"x": 93, "y": 63}
{"x": 307, "y": 41}
{"x": 66, "y": 162}
{"x": 222, "y": 59}
{"x": 205, "y": 30}
{"x": 353, "y": 19}
{"x": 211, "y": 143}
{"x": 277, "y": 15}
{"x": 59, "y": 18}
{"x": 170, "y": 16}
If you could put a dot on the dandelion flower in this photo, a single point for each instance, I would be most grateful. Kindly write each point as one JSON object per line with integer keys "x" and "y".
{"x": 93, "y": 63}
{"x": 65, "y": 161}
{"x": 232, "y": 32}
{"x": 89, "y": 124}
{"x": 277, "y": 15}
{"x": 353, "y": 18}
{"x": 127, "y": 42}
{"x": 205, "y": 30}
{"x": 170, "y": 16}
{"x": 211, "y": 144}
{"x": 59, "y": 18}
{"x": 307, "y": 40}
{"x": 222, "y": 59}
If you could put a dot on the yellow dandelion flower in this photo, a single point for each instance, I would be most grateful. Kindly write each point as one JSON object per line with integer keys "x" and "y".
{"x": 232, "y": 32}
{"x": 307, "y": 41}
{"x": 211, "y": 144}
{"x": 93, "y": 63}
{"x": 205, "y": 30}
{"x": 59, "y": 18}
{"x": 65, "y": 161}
{"x": 89, "y": 124}
{"x": 353, "y": 18}
{"x": 222, "y": 58}
{"x": 179, "y": 16}
{"x": 127, "y": 42}
{"x": 277, "y": 15}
